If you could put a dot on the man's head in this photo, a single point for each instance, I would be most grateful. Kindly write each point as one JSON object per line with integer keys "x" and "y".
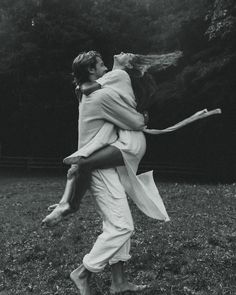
{"x": 88, "y": 66}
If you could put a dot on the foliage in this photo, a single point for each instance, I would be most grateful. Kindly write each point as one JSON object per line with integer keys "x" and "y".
{"x": 222, "y": 20}
{"x": 40, "y": 38}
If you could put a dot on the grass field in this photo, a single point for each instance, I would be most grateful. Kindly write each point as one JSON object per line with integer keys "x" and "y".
{"x": 193, "y": 254}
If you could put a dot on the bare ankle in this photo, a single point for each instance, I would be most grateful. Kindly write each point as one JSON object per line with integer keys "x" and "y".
{"x": 118, "y": 274}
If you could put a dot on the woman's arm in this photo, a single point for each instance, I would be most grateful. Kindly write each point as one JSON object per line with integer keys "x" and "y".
{"x": 116, "y": 101}
{"x": 114, "y": 110}
{"x": 89, "y": 87}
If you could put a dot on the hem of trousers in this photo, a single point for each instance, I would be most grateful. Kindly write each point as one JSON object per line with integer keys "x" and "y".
{"x": 91, "y": 269}
{"x": 123, "y": 259}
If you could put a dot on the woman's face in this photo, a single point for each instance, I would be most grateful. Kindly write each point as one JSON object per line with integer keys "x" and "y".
{"x": 124, "y": 59}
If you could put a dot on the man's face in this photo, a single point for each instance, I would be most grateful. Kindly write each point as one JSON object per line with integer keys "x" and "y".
{"x": 100, "y": 68}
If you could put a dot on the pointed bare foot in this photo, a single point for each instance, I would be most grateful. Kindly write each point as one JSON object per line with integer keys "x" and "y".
{"x": 52, "y": 207}
{"x": 127, "y": 287}
{"x": 57, "y": 214}
{"x": 81, "y": 276}
{"x": 71, "y": 161}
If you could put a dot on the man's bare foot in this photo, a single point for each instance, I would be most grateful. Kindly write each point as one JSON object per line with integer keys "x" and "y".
{"x": 81, "y": 276}
{"x": 61, "y": 210}
{"x": 72, "y": 160}
{"x": 126, "y": 286}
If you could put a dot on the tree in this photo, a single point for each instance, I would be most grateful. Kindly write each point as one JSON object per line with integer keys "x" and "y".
{"x": 40, "y": 38}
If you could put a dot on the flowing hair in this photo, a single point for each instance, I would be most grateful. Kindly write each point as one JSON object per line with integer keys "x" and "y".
{"x": 159, "y": 62}
{"x": 143, "y": 83}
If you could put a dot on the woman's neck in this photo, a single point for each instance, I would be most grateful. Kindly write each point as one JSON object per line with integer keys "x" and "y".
{"x": 117, "y": 66}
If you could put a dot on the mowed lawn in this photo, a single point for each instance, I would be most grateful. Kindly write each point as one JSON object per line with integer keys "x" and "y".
{"x": 193, "y": 254}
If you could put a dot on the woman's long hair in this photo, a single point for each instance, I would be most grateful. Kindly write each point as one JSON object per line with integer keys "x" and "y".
{"x": 143, "y": 83}
{"x": 142, "y": 63}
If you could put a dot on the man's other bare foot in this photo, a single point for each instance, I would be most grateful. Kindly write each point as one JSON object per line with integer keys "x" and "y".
{"x": 81, "y": 276}
{"x": 61, "y": 210}
{"x": 126, "y": 286}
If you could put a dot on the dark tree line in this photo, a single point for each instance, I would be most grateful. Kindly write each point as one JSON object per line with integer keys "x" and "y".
{"x": 40, "y": 38}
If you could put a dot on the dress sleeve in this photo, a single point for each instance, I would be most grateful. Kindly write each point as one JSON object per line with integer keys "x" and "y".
{"x": 112, "y": 77}
{"x": 121, "y": 115}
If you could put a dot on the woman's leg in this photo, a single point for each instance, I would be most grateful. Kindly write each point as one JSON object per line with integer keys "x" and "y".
{"x": 63, "y": 208}
{"x": 107, "y": 157}
{"x": 79, "y": 183}
{"x": 104, "y": 158}
{"x": 67, "y": 193}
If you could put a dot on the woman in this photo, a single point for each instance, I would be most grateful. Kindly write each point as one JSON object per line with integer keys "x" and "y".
{"x": 126, "y": 152}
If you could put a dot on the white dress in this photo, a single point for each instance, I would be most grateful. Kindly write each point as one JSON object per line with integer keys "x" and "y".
{"x": 115, "y": 102}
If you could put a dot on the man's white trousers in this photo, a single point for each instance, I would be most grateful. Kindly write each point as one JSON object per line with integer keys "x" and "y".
{"x": 113, "y": 244}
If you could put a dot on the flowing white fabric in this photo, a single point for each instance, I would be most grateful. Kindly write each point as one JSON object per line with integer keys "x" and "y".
{"x": 114, "y": 105}
{"x": 197, "y": 116}
{"x": 141, "y": 188}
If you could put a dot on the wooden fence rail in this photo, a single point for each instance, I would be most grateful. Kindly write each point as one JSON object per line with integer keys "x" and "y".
{"x": 30, "y": 163}
{"x": 33, "y": 163}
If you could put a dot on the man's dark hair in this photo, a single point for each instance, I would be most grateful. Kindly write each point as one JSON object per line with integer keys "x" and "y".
{"x": 81, "y": 65}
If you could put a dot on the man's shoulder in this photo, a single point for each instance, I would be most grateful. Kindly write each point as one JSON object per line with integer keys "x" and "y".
{"x": 96, "y": 96}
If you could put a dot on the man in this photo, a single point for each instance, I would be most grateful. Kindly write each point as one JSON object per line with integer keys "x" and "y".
{"x": 113, "y": 244}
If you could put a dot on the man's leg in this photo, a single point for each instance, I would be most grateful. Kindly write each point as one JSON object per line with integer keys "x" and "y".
{"x": 81, "y": 277}
{"x": 117, "y": 227}
{"x": 77, "y": 186}
{"x": 113, "y": 245}
{"x": 120, "y": 282}
{"x": 117, "y": 230}
{"x": 112, "y": 205}
{"x": 119, "y": 279}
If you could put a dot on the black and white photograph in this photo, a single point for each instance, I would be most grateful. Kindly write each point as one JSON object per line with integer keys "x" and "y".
{"x": 117, "y": 147}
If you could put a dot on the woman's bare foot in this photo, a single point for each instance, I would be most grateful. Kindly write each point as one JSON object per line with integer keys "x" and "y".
{"x": 126, "y": 286}
{"x": 61, "y": 210}
{"x": 52, "y": 207}
{"x": 81, "y": 276}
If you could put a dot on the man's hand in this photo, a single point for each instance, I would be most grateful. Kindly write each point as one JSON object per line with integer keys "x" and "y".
{"x": 72, "y": 171}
